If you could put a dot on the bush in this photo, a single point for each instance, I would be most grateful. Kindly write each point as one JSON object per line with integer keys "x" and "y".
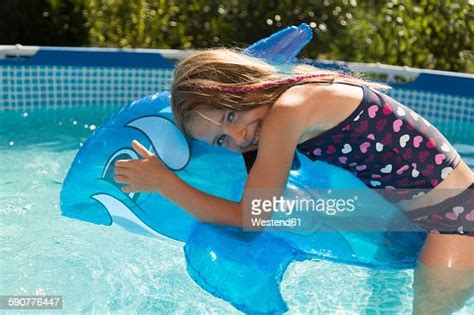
{"x": 43, "y": 22}
{"x": 425, "y": 33}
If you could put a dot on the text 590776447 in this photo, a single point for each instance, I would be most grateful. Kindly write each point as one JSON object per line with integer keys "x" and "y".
{"x": 31, "y": 302}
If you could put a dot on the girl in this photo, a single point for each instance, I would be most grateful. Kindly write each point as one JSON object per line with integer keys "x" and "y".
{"x": 228, "y": 99}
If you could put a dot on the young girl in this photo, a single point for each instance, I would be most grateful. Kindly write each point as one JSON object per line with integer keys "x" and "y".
{"x": 228, "y": 99}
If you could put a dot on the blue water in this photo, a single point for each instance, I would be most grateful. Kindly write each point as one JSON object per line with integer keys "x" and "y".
{"x": 101, "y": 269}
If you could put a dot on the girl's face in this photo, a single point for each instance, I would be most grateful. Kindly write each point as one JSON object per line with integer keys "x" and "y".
{"x": 236, "y": 131}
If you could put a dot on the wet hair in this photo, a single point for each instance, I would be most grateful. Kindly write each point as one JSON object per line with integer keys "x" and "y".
{"x": 225, "y": 79}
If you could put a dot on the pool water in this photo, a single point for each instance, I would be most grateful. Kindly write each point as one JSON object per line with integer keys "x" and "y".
{"x": 100, "y": 269}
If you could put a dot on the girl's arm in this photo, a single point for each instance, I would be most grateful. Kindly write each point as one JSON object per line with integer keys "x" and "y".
{"x": 280, "y": 133}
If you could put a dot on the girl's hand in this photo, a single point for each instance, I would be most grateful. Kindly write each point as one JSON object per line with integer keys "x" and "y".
{"x": 146, "y": 175}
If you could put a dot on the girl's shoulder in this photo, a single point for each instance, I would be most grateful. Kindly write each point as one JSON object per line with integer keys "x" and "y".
{"x": 318, "y": 95}
{"x": 318, "y": 98}
{"x": 319, "y": 107}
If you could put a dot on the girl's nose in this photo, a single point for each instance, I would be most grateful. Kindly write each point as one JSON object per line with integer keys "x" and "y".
{"x": 238, "y": 133}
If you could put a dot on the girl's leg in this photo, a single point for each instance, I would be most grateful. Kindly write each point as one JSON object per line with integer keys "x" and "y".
{"x": 444, "y": 277}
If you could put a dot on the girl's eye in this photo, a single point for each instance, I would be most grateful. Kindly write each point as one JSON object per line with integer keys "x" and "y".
{"x": 230, "y": 117}
{"x": 220, "y": 140}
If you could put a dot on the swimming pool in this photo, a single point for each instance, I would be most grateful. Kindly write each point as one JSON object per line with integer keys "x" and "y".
{"x": 105, "y": 269}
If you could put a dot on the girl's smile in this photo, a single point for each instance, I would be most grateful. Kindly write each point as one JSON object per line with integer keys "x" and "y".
{"x": 236, "y": 131}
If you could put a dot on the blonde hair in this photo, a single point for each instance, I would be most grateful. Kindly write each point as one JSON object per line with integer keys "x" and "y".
{"x": 225, "y": 79}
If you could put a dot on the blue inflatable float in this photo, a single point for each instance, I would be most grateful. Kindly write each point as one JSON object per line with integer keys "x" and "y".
{"x": 243, "y": 268}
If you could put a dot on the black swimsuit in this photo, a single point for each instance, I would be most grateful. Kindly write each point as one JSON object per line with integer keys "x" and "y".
{"x": 386, "y": 145}
{"x": 390, "y": 148}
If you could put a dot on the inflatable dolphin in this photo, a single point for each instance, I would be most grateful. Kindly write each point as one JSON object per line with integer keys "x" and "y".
{"x": 243, "y": 268}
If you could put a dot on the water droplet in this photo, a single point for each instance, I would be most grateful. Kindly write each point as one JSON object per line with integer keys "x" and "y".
{"x": 25, "y": 114}
{"x": 42, "y": 172}
{"x": 11, "y": 143}
{"x": 86, "y": 126}
{"x": 74, "y": 122}
{"x": 40, "y": 291}
{"x": 92, "y": 127}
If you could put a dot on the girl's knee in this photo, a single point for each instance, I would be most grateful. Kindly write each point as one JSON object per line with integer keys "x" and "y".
{"x": 455, "y": 252}
{"x": 444, "y": 276}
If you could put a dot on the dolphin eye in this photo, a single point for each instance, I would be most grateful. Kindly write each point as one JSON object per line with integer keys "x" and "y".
{"x": 220, "y": 140}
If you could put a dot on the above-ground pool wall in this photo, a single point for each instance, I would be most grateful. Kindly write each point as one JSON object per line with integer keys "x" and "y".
{"x": 35, "y": 78}
{"x": 56, "y": 78}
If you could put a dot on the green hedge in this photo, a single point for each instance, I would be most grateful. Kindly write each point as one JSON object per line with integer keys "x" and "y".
{"x": 425, "y": 33}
